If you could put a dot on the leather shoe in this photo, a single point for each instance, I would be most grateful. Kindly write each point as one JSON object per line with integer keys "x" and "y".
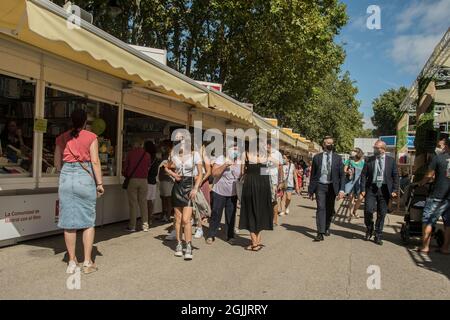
{"x": 327, "y": 233}
{"x": 378, "y": 241}
{"x": 319, "y": 237}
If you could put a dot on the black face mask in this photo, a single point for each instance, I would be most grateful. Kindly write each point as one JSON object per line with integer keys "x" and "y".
{"x": 329, "y": 147}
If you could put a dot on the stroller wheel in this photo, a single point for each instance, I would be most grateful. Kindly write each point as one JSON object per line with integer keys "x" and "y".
{"x": 404, "y": 233}
{"x": 439, "y": 235}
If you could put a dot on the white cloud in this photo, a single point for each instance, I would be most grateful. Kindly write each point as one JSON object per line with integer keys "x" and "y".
{"x": 425, "y": 16}
{"x": 358, "y": 23}
{"x": 420, "y": 27}
{"x": 368, "y": 124}
{"x": 411, "y": 52}
{"x": 389, "y": 83}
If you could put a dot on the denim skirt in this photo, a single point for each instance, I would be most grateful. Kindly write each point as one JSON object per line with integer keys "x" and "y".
{"x": 77, "y": 197}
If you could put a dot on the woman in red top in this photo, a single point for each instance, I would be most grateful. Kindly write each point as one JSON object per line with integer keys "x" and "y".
{"x": 80, "y": 183}
{"x": 136, "y": 168}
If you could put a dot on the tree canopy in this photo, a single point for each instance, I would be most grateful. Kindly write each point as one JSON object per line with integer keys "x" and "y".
{"x": 386, "y": 111}
{"x": 279, "y": 55}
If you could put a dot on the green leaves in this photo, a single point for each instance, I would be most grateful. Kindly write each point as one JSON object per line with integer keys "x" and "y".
{"x": 278, "y": 55}
{"x": 387, "y": 112}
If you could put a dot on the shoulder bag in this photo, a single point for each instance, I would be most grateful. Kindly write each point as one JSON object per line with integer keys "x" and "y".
{"x": 200, "y": 205}
{"x": 126, "y": 182}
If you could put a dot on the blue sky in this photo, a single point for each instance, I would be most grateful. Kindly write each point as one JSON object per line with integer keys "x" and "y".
{"x": 394, "y": 55}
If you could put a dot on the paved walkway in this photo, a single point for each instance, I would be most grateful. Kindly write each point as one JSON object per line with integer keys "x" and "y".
{"x": 291, "y": 266}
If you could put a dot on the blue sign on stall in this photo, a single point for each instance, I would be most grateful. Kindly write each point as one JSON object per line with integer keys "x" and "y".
{"x": 411, "y": 142}
{"x": 391, "y": 141}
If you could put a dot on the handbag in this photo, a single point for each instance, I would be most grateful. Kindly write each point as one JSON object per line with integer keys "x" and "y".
{"x": 126, "y": 182}
{"x": 200, "y": 206}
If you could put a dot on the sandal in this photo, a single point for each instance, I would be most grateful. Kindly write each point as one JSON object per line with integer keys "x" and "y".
{"x": 355, "y": 215}
{"x": 90, "y": 268}
{"x": 258, "y": 247}
{"x": 249, "y": 248}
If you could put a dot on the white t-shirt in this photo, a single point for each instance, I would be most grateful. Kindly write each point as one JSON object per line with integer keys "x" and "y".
{"x": 289, "y": 174}
{"x": 226, "y": 184}
{"x": 184, "y": 164}
{"x": 275, "y": 159}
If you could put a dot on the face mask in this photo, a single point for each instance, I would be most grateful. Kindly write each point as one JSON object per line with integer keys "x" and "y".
{"x": 376, "y": 152}
{"x": 438, "y": 151}
{"x": 233, "y": 154}
{"x": 158, "y": 155}
{"x": 329, "y": 147}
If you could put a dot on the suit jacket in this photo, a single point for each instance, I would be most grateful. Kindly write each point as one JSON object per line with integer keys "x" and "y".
{"x": 337, "y": 173}
{"x": 390, "y": 174}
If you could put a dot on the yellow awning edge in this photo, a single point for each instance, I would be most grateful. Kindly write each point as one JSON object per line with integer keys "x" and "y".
{"x": 49, "y": 31}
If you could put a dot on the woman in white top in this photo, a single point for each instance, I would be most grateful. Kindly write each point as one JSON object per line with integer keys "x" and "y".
{"x": 291, "y": 183}
{"x": 185, "y": 166}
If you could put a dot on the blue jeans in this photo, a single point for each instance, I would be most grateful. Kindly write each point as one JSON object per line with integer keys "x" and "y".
{"x": 219, "y": 203}
{"x": 434, "y": 208}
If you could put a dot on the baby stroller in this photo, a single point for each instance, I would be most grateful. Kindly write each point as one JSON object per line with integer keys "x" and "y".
{"x": 415, "y": 203}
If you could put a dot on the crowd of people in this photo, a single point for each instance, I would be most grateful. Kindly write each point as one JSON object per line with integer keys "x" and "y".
{"x": 196, "y": 188}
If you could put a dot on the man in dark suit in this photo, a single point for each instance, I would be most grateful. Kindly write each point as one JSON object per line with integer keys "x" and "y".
{"x": 379, "y": 183}
{"x": 326, "y": 182}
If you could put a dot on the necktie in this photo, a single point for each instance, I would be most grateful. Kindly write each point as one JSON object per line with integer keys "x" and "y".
{"x": 379, "y": 173}
{"x": 328, "y": 166}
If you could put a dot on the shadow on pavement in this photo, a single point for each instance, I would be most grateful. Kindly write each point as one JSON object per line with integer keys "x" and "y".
{"x": 238, "y": 239}
{"x": 434, "y": 261}
{"x": 57, "y": 245}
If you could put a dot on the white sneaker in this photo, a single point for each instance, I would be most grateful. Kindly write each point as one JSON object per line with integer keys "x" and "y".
{"x": 282, "y": 213}
{"x": 145, "y": 227}
{"x": 179, "y": 250}
{"x": 72, "y": 267}
{"x": 287, "y": 211}
{"x": 236, "y": 230}
{"x": 188, "y": 252}
{"x": 198, "y": 233}
{"x": 172, "y": 235}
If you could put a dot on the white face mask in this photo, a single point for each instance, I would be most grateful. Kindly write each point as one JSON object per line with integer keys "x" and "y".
{"x": 233, "y": 154}
{"x": 438, "y": 151}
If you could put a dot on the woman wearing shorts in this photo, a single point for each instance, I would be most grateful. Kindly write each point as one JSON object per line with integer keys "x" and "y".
{"x": 186, "y": 168}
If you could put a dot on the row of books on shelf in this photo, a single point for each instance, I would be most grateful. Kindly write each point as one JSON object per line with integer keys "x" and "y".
{"x": 22, "y": 110}
{"x": 63, "y": 109}
{"x": 15, "y": 88}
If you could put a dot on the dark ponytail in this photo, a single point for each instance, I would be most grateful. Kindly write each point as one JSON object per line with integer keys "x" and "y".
{"x": 79, "y": 118}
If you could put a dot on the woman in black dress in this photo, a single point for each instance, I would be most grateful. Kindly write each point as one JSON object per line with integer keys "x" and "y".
{"x": 256, "y": 203}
